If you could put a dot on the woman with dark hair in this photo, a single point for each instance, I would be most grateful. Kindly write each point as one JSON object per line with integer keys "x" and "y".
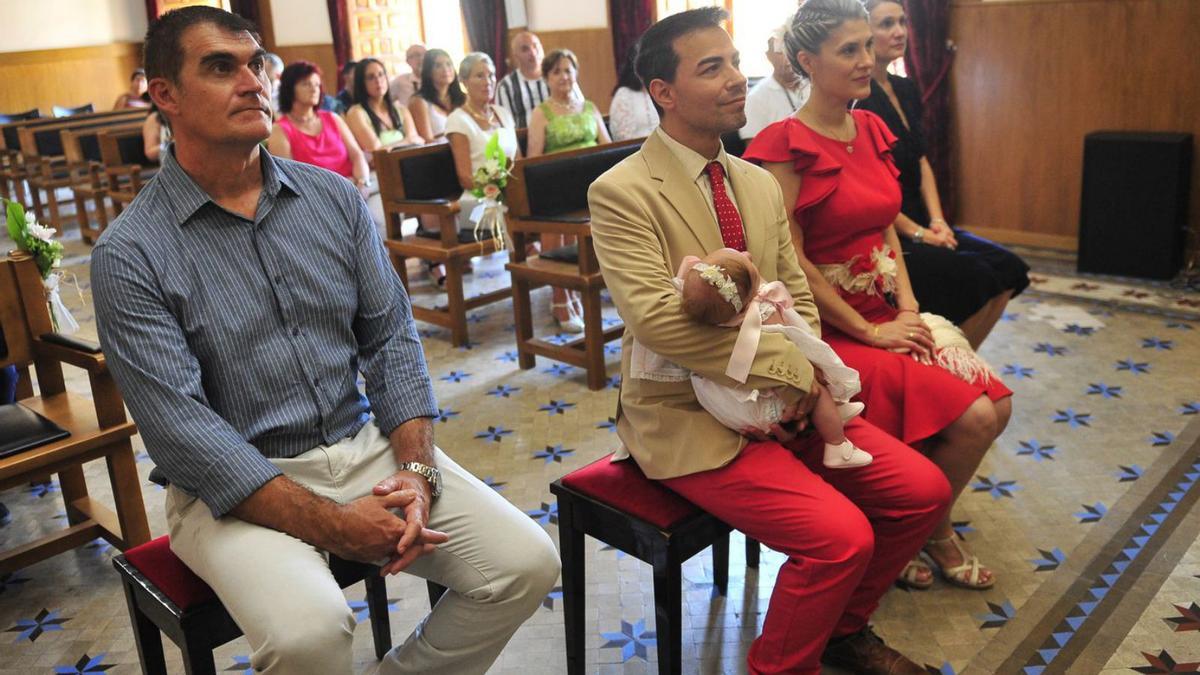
{"x": 156, "y": 135}
{"x": 374, "y": 119}
{"x": 965, "y": 278}
{"x": 632, "y": 113}
{"x": 136, "y": 96}
{"x": 921, "y": 382}
{"x": 306, "y": 134}
{"x": 439, "y": 95}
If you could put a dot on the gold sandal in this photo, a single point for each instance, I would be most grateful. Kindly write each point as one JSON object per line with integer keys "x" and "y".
{"x": 967, "y": 575}
{"x": 911, "y": 576}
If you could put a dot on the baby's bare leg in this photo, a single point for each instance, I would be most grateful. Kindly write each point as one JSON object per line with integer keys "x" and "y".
{"x": 825, "y": 417}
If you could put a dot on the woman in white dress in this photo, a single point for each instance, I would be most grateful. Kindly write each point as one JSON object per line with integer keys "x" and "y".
{"x": 631, "y": 113}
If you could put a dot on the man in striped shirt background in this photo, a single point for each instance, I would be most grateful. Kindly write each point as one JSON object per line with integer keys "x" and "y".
{"x": 523, "y": 89}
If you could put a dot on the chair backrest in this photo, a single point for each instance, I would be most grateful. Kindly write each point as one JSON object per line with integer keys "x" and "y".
{"x": 23, "y": 310}
{"x": 46, "y": 141}
{"x": 423, "y": 173}
{"x": 122, "y": 145}
{"x": 31, "y": 114}
{"x": 11, "y": 130}
{"x": 83, "y": 144}
{"x": 62, "y": 111}
{"x": 558, "y": 183}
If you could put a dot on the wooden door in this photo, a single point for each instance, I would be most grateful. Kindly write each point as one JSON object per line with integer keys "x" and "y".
{"x": 383, "y": 29}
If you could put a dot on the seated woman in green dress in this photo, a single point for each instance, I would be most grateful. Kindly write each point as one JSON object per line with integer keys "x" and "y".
{"x": 565, "y": 121}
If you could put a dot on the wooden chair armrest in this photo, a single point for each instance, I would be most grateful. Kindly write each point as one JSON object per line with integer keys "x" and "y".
{"x": 65, "y": 349}
{"x": 580, "y": 227}
{"x": 434, "y": 207}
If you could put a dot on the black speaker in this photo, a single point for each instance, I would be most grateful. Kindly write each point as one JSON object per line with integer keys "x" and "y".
{"x": 1133, "y": 217}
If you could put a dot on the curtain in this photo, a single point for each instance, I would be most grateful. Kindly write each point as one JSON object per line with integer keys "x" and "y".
{"x": 339, "y": 23}
{"x": 628, "y": 19}
{"x": 487, "y": 29}
{"x": 930, "y": 56}
{"x": 151, "y": 10}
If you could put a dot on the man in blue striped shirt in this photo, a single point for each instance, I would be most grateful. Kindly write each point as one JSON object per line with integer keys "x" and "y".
{"x": 238, "y": 298}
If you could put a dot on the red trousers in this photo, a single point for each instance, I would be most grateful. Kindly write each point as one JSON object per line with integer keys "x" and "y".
{"x": 847, "y": 533}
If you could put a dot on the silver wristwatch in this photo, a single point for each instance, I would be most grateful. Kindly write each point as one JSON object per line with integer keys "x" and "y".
{"x": 919, "y": 235}
{"x": 430, "y": 474}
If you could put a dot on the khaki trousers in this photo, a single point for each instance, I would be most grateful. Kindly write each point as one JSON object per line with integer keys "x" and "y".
{"x": 498, "y": 566}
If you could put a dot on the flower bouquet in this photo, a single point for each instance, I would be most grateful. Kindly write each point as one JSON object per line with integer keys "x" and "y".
{"x": 490, "y": 181}
{"x": 38, "y": 241}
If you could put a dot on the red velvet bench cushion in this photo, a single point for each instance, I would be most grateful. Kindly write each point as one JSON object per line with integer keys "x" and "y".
{"x": 159, "y": 565}
{"x": 623, "y": 486}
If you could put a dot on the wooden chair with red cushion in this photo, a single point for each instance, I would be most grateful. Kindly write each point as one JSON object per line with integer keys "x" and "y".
{"x": 615, "y": 503}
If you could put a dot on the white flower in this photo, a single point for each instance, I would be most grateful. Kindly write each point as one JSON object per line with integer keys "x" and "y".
{"x": 884, "y": 263}
{"x": 715, "y": 276}
{"x": 39, "y": 232}
{"x": 492, "y": 167}
{"x": 30, "y": 219}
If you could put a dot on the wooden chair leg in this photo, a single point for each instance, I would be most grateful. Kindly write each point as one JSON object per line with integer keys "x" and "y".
{"x": 570, "y": 543}
{"x": 381, "y": 621}
{"x": 593, "y": 339}
{"x": 523, "y": 319}
{"x": 73, "y": 486}
{"x": 197, "y": 657}
{"x": 35, "y": 194}
{"x": 668, "y": 610}
{"x": 456, "y": 304}
{"x": 752, "y": 551}
{"x": 146, "y": 636}
{"x": 52, "y": 202}
{"x": 127, "y": 494}
{"x": 720, "y": 558}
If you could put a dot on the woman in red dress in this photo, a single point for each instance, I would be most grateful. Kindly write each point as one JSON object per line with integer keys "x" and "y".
{"x": 836, "y": 167}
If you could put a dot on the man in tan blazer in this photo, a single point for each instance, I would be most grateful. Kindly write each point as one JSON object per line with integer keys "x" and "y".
{"x": 847, "y": 533}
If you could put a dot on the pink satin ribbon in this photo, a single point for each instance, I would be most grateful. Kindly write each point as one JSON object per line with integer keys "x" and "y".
{"x": 744, "y": 350}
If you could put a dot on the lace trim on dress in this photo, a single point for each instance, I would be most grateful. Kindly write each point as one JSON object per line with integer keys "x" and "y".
{"x": 875, "y": 275}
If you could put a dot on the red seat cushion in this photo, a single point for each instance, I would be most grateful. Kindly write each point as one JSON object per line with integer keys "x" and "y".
{"x": 159, "y": 565}
{"x": 624, "y": 487}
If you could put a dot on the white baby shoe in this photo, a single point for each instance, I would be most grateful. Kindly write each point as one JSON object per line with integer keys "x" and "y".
{"x": 845, "y": 456}
{"x": 850, "y": 409}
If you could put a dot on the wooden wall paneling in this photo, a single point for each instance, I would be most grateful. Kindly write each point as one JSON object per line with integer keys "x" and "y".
{"x": 322, "y": 55}
{"x": 384, "y": 29}
{"x": 1032, "y": 78}
{"x": 69, "y": 77}
{"x": 597, "y": 68}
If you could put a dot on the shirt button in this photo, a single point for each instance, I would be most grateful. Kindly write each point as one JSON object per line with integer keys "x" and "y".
{"x": 296, "y": 332}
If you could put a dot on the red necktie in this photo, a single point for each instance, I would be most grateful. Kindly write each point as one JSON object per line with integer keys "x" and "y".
{"x": 728, "y": 217}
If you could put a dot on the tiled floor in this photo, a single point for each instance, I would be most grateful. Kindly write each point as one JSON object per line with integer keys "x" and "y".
{"x": 1103, "y": 400}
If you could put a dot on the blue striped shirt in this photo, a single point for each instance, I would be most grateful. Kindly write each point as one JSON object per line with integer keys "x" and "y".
{"x": 234, "y": 341}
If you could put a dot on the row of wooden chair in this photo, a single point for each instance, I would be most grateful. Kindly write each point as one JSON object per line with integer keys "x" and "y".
{"x": 546, "y": 194}
{"x": 93, "y": 154}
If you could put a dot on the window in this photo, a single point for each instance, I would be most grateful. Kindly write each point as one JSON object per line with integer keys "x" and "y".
{"x": 752, "y": 23}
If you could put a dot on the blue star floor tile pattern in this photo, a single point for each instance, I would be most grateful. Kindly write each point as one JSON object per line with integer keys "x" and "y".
{"x": 1100, "y": 416}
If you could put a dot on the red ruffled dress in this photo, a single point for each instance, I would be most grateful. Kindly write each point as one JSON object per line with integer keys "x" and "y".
{"x": 849, "y": 195}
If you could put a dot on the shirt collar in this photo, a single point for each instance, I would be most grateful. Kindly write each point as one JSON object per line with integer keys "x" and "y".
{"x": 186, "y": 197}
{"x": 693, "y": 162}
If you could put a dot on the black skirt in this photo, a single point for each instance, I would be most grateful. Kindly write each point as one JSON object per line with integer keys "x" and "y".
{"x": 956, "y": 284}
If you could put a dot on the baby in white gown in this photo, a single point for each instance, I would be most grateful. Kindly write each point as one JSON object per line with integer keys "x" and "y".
{"x": 725, "y": 289}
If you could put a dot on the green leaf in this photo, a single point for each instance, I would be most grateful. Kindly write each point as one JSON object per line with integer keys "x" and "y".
{"x": 16, "y": 221}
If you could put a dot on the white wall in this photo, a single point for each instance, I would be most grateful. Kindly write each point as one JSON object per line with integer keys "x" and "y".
{"x": 57, "y": 24}
{"x": 300, "y": 22}
{"x": 549, "y": 15}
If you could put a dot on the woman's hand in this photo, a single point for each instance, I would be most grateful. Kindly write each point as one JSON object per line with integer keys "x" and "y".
{"x": 905, "y": 333}
{"x": 940, "y": 234}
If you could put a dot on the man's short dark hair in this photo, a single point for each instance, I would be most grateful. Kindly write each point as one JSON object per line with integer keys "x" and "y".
{"x": 161, "y": 54}
{"x": 656, "y": 55}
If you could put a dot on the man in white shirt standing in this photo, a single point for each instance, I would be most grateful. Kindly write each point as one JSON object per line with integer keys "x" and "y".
{"x": 774, "y": 97}
{"x": 523, "y": 89}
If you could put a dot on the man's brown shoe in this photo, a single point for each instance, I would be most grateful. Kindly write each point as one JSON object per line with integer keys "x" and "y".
{"x": 864, "y": 653}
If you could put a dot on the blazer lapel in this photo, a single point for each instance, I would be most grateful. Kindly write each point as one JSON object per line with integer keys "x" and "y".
{"x": 756, "y": 216}
{"x": 680, "y": 190}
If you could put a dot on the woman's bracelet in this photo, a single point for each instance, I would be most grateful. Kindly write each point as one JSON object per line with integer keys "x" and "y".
{"x": 938, "y": 220}
{"x": 875, "y": 331}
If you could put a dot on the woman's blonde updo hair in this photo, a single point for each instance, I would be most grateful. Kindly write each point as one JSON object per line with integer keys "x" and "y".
{"x": 814, "y": 21}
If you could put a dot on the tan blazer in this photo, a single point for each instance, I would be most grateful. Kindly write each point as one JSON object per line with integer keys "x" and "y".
{"x": 646, "y": 216}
